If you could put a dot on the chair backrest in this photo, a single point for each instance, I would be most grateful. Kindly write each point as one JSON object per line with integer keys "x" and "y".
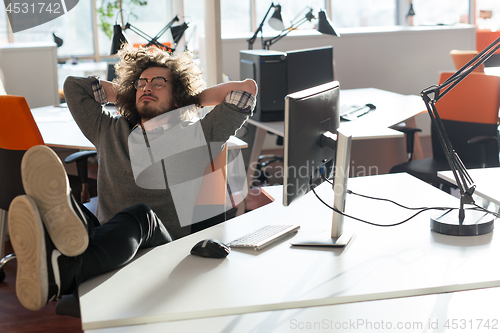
{"x": 210, "y": 206}
{"x": 470, "y": 109}
{"x": 461, "y": 57}
{"x": 213, "y": 190}
{"x": 18, "y": 129}
{"x": 476, "y": 99}
{"x": 18, "y": 133}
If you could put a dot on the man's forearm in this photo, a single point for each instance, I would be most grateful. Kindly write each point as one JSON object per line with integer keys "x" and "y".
{"x": 110, "y": 90}
{"x": 216, "y": 94}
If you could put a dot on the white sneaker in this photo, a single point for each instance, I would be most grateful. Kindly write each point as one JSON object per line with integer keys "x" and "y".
{"x": 37, "y": 279}
{"x": 46, "y": 182}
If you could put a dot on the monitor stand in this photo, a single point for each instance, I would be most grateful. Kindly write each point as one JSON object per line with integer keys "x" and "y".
{"x": 339, "y": 237}
{"x": 341, "y": 241}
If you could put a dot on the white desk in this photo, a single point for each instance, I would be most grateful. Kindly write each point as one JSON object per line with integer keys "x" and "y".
{"x": 168, "y": 284}
{"x": 467, "y": 311}
{"x": 392, "y": 108}
{"x": 59, "y": 129}
{"x": 492, "y": 71}
{"x": 487, "y": 182}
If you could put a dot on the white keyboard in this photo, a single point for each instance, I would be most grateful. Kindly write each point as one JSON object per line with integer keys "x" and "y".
{"x": 351, "y": 112}
{"x": 264, "y": 236}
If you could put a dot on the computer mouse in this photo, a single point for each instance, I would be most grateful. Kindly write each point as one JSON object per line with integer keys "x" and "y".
{"x": 371, "y": 106}
{"x": 210, "y": 248}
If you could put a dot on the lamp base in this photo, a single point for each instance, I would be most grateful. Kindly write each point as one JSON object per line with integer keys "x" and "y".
{"x": 475, "y": 223}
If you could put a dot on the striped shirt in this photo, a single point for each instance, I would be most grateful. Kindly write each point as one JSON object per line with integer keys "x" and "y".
{"x": 243, "y": 100}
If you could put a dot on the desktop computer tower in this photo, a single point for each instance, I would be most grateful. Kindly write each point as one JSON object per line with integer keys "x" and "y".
{"x": 281, "y": 73}
{"x": 268, "y": 68}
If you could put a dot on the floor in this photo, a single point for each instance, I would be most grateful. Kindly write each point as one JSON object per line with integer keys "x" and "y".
{"x": 15, "y": 318}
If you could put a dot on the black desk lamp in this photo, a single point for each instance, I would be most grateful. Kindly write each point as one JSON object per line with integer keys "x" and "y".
{"x": 410, "y": 13}
{"x": 476, "y": 222}
{"x": 276, "y": 22}
{"x": 58, "y": 40}
{"x": 324, "y": 26}
{"x": 119, "y": 38}
{"x": 178, "y": 31}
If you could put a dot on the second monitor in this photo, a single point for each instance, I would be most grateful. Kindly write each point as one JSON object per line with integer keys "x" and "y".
{"x": 308, "y": 68}
{"x": 281, "y": 73}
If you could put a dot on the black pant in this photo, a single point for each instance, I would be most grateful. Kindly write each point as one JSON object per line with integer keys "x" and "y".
{"x": 114, "y": 243}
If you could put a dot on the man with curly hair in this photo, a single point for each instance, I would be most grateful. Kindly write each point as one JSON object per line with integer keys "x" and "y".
{"x": 58, "y": 242}
{"x": 180, "y": 84}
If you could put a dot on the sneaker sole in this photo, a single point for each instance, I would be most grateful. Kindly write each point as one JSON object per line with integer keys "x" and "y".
{"x": 27, "y": 238}
{"x": 45, "y": 181}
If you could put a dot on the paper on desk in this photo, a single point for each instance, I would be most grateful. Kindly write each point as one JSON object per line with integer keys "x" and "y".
{"x": 51, "y": 119}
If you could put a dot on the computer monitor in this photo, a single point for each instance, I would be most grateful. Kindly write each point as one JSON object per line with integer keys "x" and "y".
{"x": 111, "y": 74}
{"x": 309, "y": 68}
{"x": 315, "y": 149}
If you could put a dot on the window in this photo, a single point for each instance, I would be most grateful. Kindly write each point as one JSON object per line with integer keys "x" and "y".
{"x": 235, "y": 16}
{"x": 447, "y": 12}
{"x": 77, "y": 31}
{"x": 77, "y": 38}
{"x": 492, "y": 23}
{"x": 150, "y": 19}
{"x": 291, "y": 12}
{"x": 4, "y": 35}
{"x": 363, "y": 13}
{"x": 194, "y": 12}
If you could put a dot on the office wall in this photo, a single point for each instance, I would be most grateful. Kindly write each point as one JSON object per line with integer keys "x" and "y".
{"x": 30, "y": 70}
{"x": 400, "y": 59}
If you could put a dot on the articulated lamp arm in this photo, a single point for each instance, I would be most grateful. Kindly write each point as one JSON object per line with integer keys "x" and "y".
{"x": 154, "y": 40}
{"x": 309, "y": 16}
{"x": 431, "y": 96}
{"x": 259, "y": 29}
{"x": 464, "y": 181}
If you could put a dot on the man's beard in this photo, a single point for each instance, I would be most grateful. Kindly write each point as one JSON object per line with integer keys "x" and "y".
{"x": 148, "y": 112}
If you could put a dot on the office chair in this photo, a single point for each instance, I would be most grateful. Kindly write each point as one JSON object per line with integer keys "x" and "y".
{"x": 18, "y": 133}
{"x": 265, "y": 160}
{"x": 461, "y": 57}
{"x": 215, "y": 194}
{"x": 469, "y": 114}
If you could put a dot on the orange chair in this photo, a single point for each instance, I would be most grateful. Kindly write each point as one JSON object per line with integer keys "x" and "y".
{"x": 469, "y": 113}
{"x": 18, "y": 133}
{"x": 462, "y": 57}
{"x": 213, "y": 196}
{"x": 213, "y": 190}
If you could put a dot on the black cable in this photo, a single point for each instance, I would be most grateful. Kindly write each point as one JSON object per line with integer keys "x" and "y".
{"x": 388, "y": 200}
{"x": 376, "y": 224}
{"x": 380, "y": 199}
{"x": 326, "y": 179}
{"x": 485, "y": 210}
{"x": 421, "y": 209}
{"x": 477, "y": 207}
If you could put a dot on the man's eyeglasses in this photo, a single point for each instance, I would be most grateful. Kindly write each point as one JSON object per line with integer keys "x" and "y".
{"x": 157, "y": 82}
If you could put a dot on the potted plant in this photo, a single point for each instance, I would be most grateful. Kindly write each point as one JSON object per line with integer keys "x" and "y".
{"x": 108, "y": 9}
